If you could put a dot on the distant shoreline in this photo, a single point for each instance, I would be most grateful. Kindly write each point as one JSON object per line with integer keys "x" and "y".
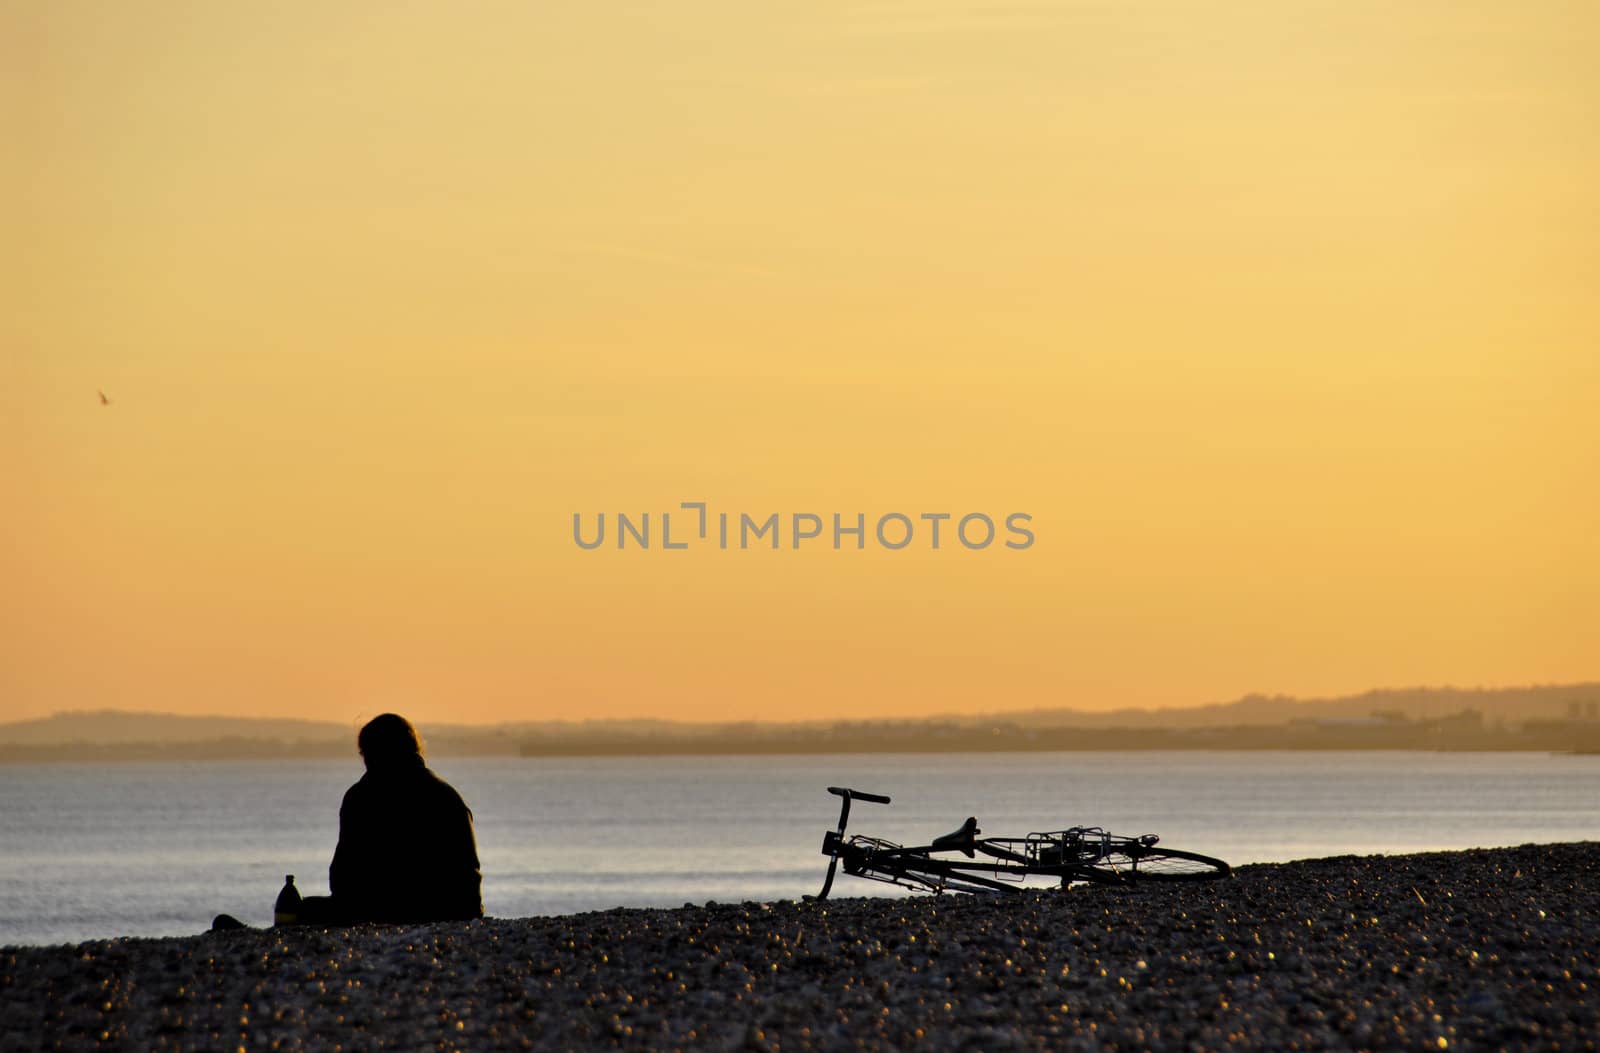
{"x": 197, "y": 753}
{"x": 1561, "y": 718}
{"x": 1552, "y": 738}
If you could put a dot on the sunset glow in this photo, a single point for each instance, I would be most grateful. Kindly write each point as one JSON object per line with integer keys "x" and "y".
{"x": 1278, "y": 319}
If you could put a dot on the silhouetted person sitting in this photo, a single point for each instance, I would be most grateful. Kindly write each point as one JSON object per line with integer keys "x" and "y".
{"x": 406, "y": 847}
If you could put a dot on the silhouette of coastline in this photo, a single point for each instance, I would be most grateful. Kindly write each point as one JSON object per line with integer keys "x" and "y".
{"x": 1558, "y": 718}
{"x": 1464, "y": 731}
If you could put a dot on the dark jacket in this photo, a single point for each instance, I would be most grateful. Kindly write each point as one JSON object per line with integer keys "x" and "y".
{"x": 406, "y": 849}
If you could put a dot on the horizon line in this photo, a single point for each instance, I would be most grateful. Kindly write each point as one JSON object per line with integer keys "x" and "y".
{"x": 975, "y": 714}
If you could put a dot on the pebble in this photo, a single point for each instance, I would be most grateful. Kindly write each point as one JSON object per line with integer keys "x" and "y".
{"x": 1486, "y": 949}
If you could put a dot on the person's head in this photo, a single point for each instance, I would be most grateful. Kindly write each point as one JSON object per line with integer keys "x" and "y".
{"x": 389, "y": 741}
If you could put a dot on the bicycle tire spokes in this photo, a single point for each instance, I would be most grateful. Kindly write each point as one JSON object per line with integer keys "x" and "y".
{"x": 1163, "y": 864}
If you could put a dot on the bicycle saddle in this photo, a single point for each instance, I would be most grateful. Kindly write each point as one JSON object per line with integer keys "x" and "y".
{"x": 959, "y": 839}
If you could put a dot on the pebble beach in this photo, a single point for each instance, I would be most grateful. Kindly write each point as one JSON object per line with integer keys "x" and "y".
{"x": 1485, "y": 949}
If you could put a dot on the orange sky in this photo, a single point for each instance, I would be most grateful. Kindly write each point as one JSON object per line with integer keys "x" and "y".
{"x": 1279, "y": 318}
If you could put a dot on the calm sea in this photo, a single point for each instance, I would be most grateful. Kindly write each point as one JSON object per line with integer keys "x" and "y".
{"x": 89, "y": 852}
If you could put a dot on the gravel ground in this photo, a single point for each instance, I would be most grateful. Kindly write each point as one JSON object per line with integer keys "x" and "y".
{"x": 1487, "y": 949}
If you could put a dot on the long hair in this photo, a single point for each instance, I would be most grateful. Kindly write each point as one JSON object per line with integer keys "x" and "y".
{"x": 389, "y": 741}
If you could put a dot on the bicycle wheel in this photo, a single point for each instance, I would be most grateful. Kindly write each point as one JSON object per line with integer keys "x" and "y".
{"x": 1144, "y": 863}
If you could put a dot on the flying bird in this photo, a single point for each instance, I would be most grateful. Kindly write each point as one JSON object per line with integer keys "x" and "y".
{"x": 103, "y": 400}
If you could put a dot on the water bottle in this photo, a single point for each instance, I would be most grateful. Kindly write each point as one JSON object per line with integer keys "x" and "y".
{"x": 287, "y": 909}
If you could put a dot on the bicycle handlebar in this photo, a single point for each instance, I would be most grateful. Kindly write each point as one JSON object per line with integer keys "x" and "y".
{"x": 834, "y": 841}
{"x": 859, "y": 795}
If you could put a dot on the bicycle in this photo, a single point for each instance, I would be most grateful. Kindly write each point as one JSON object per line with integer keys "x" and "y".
{"x": 951, "y": 863}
